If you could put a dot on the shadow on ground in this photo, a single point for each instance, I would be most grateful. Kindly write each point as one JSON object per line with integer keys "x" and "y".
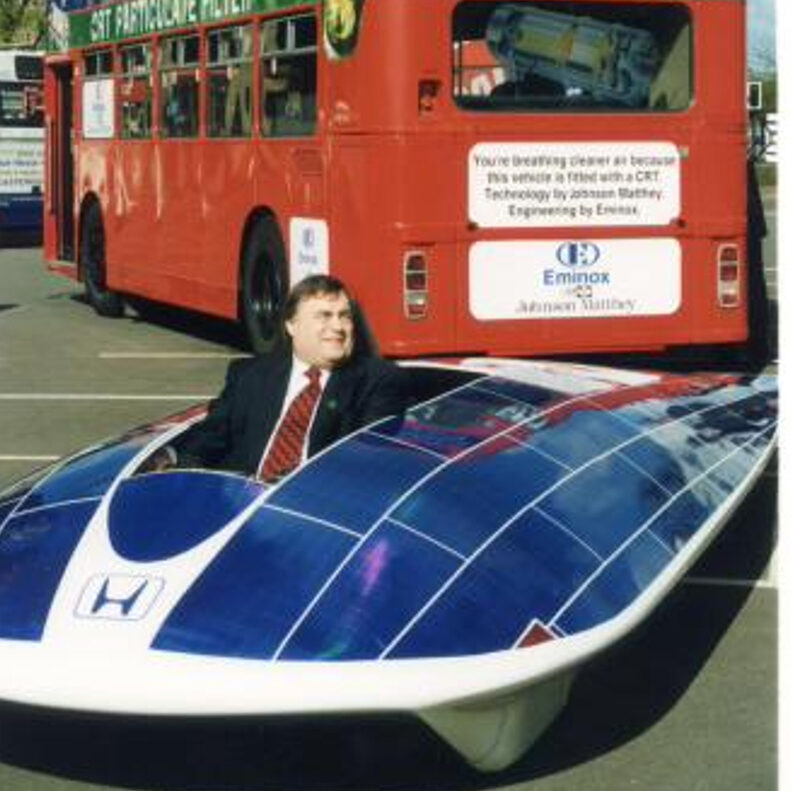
{"x": 179, "y": 320}
{"x": 675, "y": 360}
{"x": 17, "y": 239}
{"x": 721, "y": 358}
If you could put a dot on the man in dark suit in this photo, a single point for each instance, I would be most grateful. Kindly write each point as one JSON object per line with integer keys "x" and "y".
{"x": 278, "y": 409}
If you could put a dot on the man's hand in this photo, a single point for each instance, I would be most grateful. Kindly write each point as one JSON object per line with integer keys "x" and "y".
{"x": 162, "y": 459}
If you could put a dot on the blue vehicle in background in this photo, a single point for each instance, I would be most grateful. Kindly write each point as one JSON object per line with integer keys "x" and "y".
{"x": 21, "y": 141}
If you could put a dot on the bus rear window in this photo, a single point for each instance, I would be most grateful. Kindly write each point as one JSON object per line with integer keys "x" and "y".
{"x": 572, "y": 56}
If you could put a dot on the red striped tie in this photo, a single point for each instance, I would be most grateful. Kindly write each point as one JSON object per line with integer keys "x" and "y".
{"x": 285, "y": 453}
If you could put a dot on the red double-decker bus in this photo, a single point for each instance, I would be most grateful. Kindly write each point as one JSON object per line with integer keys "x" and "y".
{"x": 489, "y": 176}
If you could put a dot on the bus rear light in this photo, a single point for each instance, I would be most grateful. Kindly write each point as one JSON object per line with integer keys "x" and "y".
{"x": 415, "y": 280}
{"x": 728, "y": 253}
{"x": 729, "y": 273}
{"x": 415, "y": 285}
{"x": 416, "y": 306}
{"x": 728, "y": 287}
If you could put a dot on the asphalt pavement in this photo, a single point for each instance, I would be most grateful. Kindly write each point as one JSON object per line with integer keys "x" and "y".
{"x": 687, "y": 702}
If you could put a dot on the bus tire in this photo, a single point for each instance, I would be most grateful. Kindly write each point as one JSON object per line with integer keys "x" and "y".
{"x": 93, "y": 266}
{"x": 263, "y": 285}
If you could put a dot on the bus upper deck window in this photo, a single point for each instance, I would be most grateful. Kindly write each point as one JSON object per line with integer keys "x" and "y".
{"x": 99, "y": 64}
{"x": 179, "y": 88}
{"x": 521, "y": 56}
{"x": 135, "y": 93}
{"x": 98, "y": 112}
{"x": 288, "y": 76}
{"x": 230, "y": 82}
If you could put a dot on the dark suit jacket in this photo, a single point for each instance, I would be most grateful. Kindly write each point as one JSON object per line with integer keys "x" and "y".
{"x": 236, "y": 429}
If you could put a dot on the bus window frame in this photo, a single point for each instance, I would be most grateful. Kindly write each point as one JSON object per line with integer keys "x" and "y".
{"x": 208, "y": 67}
{"x": 263, "y": 57}
{"x": 572, "y": 104}
{"x": 150, "y": 45}
{"x": 110, "y": 76}
{"x": 198, "y": 71}
{"x": 97, "y": 52}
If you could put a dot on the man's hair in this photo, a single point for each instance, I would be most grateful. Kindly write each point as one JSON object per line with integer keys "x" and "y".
{"x": 311, "y": 286}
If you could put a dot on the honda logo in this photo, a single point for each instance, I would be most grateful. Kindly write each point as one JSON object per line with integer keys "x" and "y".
{"x": 118, "y": 597}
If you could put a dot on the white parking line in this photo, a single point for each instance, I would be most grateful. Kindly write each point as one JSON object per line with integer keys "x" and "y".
{"x": 729, "y": 582}
{"x": 29, "y": 458}
{"x": 103, "y": 397}
{"x": 142, "y": 355}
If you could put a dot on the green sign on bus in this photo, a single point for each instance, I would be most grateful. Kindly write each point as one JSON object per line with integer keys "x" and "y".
{"x": 132, "y": 18}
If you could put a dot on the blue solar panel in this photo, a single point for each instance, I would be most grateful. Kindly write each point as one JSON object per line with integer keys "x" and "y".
{"x": 89, "y": 475}
{"x": 386, "y": 582}
{"x": 199, "y": 503}
{"x": 537, "y": 398}
{"x": 722, "y": 393}
{"x": 618, "y": 584}
{"x": 575, "y": 437}
{"x": 721, "y": 479}
{"x": 464, "y": 419}
{"x": 245, "y": 603}
{"x": 758, "y": 444}
{"x": 526, "y": 573}
{"x": 21, "y": 488}
{"x": 5, "y": 509}
{"x": 599, "y": 513}
{"x": 34, "y": 550}
{"x": 357, "y": 482}
{"x": 657, "y": 461}
{"x": 653, "y": 412}
{"x": 474, "y": 496}
{"x": 766, "y": 385}
{"x": 680, "y": 521}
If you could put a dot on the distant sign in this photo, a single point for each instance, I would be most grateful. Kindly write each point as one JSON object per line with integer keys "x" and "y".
{"x": 21, "y": 166}
{"x": 755, "y": 95}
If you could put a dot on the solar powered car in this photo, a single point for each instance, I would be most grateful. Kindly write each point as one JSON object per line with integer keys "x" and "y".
{"x": 460, "y": 563}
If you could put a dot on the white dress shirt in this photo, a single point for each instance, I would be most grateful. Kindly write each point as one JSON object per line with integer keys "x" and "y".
{"x": 296, "y": 384}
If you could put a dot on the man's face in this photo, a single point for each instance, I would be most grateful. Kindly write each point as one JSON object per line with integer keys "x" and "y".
{"x": 322, "y": 330}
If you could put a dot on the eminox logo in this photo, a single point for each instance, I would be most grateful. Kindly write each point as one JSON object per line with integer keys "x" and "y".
{"x": 576, "y": 256}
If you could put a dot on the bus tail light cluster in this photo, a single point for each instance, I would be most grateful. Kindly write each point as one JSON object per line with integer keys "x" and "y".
{"x": 415, "y": 285}
{"x": 728, "y": 287}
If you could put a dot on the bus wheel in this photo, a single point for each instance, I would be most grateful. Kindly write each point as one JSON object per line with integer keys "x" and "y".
{"x": 263, "y": 285}
{"x": 92, "y": 264}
